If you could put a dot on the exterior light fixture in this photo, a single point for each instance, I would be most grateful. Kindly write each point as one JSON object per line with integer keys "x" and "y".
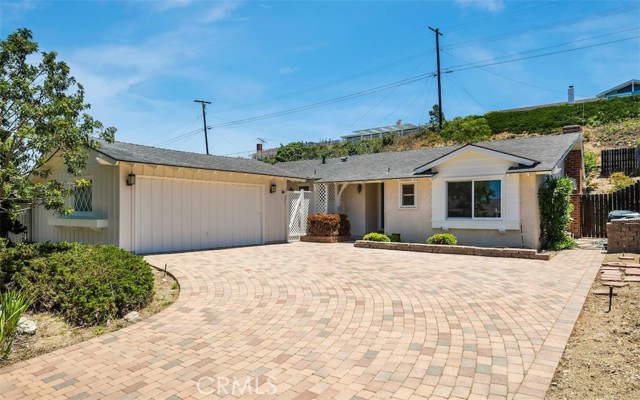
{"x": 131, "y": 179}
{"x": 273, "y": 188}
{"x": 359, "y": 188}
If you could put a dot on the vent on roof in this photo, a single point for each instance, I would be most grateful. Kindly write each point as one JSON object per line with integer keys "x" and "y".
{"x": 324, "y": 159}
{"x": 343, "y": 159}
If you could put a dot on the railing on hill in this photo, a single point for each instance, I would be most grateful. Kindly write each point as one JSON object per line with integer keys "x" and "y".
{"x": 596, "y": 208}
{"x": 625, "y": 160}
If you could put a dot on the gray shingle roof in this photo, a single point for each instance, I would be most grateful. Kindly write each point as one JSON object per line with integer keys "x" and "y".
{"x": 547, "y": 151}
{"x": 136, "y": 153}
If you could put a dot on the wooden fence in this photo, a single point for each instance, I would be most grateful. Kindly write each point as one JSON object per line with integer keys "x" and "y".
{"x": 625, "y": 160}
{"x": 596, "y": 207}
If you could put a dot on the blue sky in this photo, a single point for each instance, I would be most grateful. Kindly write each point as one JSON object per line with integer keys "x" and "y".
{"x": 144, "y": 62}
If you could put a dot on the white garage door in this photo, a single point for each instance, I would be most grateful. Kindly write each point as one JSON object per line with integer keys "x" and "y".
{"x": 176, "y": 215}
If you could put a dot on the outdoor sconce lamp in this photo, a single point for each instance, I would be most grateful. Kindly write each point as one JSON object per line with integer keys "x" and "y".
{"x": 131, "y": 179}
{"x": 273, "y": 188}
{"x": 359, "y": 188}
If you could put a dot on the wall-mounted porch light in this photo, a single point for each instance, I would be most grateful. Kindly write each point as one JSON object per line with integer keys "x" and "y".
{"x": 273, "y": 188}
{"x": 131, "y": 179}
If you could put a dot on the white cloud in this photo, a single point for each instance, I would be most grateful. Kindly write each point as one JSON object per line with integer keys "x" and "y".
{"x": 288, "y": 70}
{"x": 488, "y": 5}
{"x": 221, "y": 11}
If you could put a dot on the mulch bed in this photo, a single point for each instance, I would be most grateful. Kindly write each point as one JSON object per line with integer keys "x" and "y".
{"x": 602, "y": 357}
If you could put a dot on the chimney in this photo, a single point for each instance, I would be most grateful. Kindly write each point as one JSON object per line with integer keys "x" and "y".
{"x": 259, "y": 151}
{"x": 571, "y": 96}
{"x": 324, "y": 159}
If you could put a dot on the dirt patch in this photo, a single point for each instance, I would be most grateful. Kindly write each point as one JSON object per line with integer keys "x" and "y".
{"x": 602, "y": 357}
{"x": 54, "y": 332}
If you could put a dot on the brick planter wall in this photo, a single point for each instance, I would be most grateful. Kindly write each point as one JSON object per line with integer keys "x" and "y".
{"x": 464, "y": 250}
{"x": 623, "y": 235}
{"x": 325, "y": 239}
{"x": 573, "y": 166}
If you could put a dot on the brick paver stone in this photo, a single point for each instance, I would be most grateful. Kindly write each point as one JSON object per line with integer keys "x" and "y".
{"x": 308, "y": 320}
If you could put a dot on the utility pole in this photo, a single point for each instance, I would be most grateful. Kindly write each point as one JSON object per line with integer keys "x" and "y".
{"x": 438, "y": 34}
{"x": 204, "y": 121}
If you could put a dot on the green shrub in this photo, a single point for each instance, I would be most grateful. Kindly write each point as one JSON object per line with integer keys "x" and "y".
{"x": 620, "y": 181}
{"x": 14, "y": 258}
{"x": 87, "y": 284}
{"x": 554, "y": 201}
{"x": 13, "y": 303}
{"x": 442, "y": 238}
{"x": 328, "y": 225}
{"x": 548, "y": 119}
{"x": 376, "y": 237}
{"x": 394, "y": 237}
{"x": 467, "y": 130}
{"x": 590, "y": 162}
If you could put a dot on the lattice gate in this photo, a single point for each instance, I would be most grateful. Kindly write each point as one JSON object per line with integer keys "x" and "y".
{"x": 299, "y": 206}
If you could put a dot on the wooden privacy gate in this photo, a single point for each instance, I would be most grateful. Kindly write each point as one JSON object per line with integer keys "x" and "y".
{"x": 596, "y": 207}
{"x": 299, "y": 206}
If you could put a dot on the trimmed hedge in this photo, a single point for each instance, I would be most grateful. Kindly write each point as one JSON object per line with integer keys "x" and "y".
{"x": 376, "y": 237}
{"x": 548, "y": 119}
{"x": 328, "y": 225}
{"x": 87, "y": 284}
{"x": 442, "y": 238}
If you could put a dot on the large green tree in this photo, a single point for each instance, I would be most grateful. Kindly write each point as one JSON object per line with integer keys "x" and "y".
{"x": 467, "y": 130}
{"x": 42, "y": 113}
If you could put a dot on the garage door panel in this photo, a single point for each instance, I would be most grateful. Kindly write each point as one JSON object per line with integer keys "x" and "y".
{"x": 176, "y": 215}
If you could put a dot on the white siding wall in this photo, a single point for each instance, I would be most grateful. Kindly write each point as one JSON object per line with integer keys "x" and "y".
{"x": 355, "y": 209}
{"x": 479, "y": 232}
{"x": 105, "y": 206}
{"x": 413, "y": 224}
{"x": 274, "y": 203}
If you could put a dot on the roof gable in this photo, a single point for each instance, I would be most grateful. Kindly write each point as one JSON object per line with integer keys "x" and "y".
{"x": 620, "y": 86}
{"x": 478, "y": 149}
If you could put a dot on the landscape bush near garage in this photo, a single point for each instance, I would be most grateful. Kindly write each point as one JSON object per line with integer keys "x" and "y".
{"x": 87, "y": 284}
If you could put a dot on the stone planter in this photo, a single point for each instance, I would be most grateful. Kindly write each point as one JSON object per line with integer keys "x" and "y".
{"x": 463, "y": 250}
{"x": 325, "y": 239}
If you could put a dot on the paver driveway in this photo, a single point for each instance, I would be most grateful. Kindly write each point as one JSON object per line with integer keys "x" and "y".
{"x": 332, "y": 321}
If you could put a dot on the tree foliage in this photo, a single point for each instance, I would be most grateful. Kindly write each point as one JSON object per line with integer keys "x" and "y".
{"x": 434, "y": 117}
{"x": 554, "y": 201}
{"x": 42, "y": 112}
{"x": 467, "y": 130}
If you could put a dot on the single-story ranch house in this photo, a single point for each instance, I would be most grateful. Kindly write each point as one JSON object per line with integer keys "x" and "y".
{"x": 147, "y": 199}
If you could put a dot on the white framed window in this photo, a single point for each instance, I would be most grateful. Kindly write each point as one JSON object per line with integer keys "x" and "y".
{"x": 474, "y": 199}
{"x": 83, "y": 198}
{"x": 408, "y": 195}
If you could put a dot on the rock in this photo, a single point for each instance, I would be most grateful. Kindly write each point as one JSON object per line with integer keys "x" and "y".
{"x": 26, "y": 326}
{"x": 133, "y": 316}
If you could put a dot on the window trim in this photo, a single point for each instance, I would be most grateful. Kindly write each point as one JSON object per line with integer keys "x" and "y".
{"x": 473, "y": 181}
{"x": 401, "y": 197}
{"x": 84, "y": 213}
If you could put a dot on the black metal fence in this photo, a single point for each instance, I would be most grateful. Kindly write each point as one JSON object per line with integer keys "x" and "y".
{"x": 625, "y": 160}
{"x": 596, "y": 207}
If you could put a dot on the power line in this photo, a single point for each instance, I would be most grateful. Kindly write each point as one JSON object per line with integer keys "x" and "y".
{"x": 489, "y": 63}
{"x": 455, "y": 80}
{"x": 543, "y": 27}
{"x": 401, "y": 83}
{"x": 635, "y": 28}
{"x": 331, "y": 101}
